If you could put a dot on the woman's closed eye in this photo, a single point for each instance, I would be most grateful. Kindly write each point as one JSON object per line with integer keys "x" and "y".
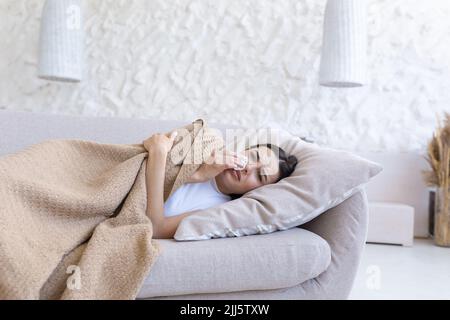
{"x": 258, "y": 172}
{"x": 261, "y": 177}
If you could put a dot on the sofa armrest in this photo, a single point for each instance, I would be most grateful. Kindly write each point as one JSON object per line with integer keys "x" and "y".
{"x": 344, "y": 227}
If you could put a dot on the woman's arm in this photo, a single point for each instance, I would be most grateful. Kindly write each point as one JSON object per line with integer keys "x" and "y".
{"x": 155, "y": 173}
{"x": 167, "y": 229}
{"x": 158, "y": 147}
{"x": 163, "y": 227}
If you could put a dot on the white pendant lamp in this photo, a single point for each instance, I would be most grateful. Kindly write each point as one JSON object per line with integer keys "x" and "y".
{"x": 344, "y": 56}
{"x": 61, "y": 45}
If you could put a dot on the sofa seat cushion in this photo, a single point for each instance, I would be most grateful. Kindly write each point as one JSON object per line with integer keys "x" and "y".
{"x": 258, "y": 262}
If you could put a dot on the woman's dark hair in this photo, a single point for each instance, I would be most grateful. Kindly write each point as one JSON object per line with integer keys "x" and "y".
{"x": 286, "y": 163}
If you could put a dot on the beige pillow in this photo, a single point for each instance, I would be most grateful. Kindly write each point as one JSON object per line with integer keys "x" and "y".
{"x": 323, "y": 178}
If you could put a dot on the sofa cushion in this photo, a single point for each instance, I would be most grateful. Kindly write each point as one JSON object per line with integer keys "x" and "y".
{"x": 270, "y": 261}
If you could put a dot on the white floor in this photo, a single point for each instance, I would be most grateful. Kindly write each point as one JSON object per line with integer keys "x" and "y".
{"x": 396, "y": 272}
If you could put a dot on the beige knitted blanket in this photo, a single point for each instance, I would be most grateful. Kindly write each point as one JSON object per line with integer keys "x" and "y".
{"x": 73, "y": 221}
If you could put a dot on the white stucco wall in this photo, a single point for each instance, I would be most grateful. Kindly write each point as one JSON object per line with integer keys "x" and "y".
{"x": 246, "y": 62}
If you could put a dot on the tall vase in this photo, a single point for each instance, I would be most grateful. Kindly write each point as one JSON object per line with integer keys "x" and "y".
{"x": 442, "y": 217}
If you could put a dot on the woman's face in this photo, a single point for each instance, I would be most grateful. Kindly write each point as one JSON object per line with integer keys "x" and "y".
{"x": 262, "y": 169}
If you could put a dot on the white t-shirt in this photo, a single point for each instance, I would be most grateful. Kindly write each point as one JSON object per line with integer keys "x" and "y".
{"x": 194, "y": 196}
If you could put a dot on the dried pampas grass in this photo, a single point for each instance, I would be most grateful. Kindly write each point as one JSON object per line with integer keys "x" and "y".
{"x": 438, "y": 157}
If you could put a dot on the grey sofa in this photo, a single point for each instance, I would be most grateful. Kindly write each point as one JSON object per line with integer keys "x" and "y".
{"x": 317, "y": 260}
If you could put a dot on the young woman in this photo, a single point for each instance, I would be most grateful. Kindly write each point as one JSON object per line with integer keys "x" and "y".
{"x": 224, "y": 177}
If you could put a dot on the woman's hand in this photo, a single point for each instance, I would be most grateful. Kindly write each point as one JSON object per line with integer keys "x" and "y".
{"x": 159, "y": 142}
{"x": 216, "y": 164}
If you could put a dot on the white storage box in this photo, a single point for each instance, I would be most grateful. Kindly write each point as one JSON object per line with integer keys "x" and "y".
{"x": 391, "y": 223}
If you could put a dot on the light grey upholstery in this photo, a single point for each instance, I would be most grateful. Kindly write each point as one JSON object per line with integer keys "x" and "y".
{"x": 338, "y": 234}
{"x": 270, "y": 261}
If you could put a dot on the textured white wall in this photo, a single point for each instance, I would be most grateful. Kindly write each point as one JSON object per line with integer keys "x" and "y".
{"x": 246, "y": 62}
